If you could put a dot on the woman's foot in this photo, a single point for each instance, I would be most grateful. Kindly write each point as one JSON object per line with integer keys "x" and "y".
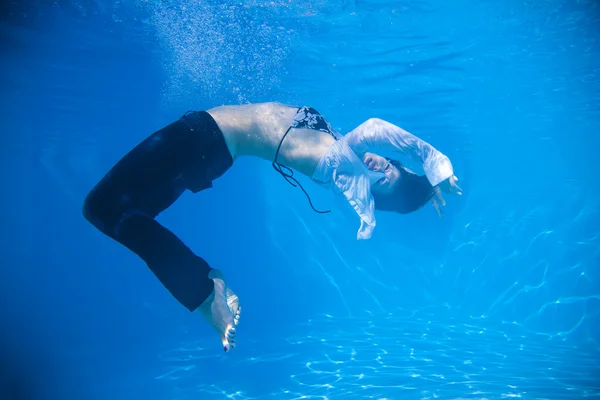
{"x": 222, "y": 311}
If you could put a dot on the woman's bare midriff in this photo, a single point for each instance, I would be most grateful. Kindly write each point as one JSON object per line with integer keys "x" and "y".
{"x": 256, "y": 130}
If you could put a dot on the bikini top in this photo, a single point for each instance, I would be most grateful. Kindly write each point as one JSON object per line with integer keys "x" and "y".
{"x": 342, "y": 167}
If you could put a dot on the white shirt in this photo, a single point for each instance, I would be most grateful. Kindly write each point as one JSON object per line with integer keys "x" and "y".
{"x": 343, "y": 168}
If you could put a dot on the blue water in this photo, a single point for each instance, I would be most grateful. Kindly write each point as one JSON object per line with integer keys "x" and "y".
{"x": 499, "y": 299}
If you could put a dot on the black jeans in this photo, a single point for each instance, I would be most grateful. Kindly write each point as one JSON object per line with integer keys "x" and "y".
{"x": 187, "y": 154}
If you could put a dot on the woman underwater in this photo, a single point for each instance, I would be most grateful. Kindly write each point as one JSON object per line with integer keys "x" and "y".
{"x": 190, "y": 153}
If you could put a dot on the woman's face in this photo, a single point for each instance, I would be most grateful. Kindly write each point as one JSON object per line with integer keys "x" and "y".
{"x": 379, "y": 164}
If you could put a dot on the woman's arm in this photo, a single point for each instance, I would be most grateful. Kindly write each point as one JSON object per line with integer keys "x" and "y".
{"x": 376, "y": 134}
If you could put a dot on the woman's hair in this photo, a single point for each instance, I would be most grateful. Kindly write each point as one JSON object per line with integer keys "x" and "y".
{"x": 410, "y": 192}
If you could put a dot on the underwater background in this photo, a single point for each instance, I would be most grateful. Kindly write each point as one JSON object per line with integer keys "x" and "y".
{"x": 498, "y": 299}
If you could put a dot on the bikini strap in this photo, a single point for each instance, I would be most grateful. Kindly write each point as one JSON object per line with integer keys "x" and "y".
{"x": 288, "y": 174}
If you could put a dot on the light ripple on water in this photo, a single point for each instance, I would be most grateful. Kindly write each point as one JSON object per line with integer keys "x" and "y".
{"x": 390, "y": 357}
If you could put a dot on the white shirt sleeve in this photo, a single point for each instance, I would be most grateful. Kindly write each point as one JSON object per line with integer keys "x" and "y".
{"x": 376, "y": 134}
{"x": 342, "y": 168}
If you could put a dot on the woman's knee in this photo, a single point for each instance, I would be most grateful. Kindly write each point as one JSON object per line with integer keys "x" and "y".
{"x": 90, "y": 208}
{"x": 101, "y": 211}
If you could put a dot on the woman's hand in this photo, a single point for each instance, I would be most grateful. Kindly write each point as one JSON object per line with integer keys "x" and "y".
{"x": 450, "y": 186}
{"x": 447, "y": 186}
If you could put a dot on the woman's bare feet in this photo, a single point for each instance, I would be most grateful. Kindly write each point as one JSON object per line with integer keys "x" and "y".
{"x": 222, "y": 311}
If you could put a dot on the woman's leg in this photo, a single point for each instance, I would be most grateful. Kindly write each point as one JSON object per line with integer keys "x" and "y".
{"x": 146, "y": 181}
